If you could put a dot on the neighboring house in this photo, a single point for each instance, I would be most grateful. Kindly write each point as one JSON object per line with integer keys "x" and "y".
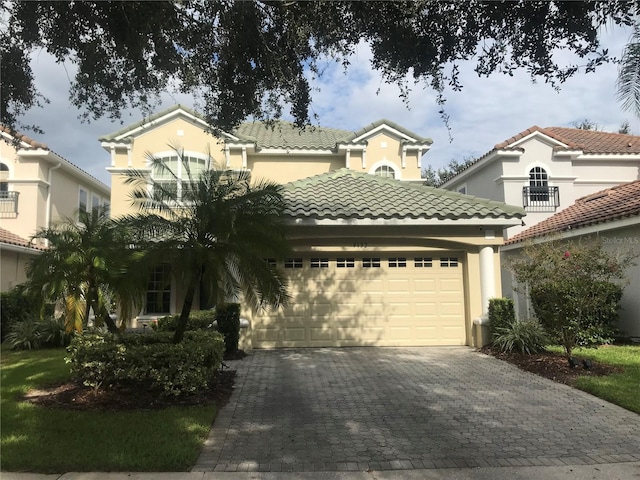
{"x": 379, "y": 259}
{"x": 15, "y": 253}
{"x": 546, "y": 169}
{"x": 38, "y": 188}
{"x": 613, "y": 215}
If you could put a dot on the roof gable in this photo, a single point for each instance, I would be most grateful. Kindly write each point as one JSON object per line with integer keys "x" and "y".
{"x": 348, "y": 195}
{"x": 614, "y": 203}
{"x": 384, "y": 125}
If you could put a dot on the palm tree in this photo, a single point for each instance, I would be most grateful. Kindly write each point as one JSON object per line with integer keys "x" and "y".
{"x": 87, "y": 266}
{"x": 628, "y": 82}
{"x": 215, "y": 228}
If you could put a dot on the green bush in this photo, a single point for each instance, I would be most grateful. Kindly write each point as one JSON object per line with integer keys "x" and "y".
{"x": 15, "y": 306}
{"x": 527, "y": 337}
{"x": 198, "y": 320}
{"x": 587, "y": 323}
{"x": 228, "y": 318}
{"x": 24, "y": 335}
{"x": 501, "y": 314}
{"x": 53, "y": 332}
{"x": 149, "y": 361}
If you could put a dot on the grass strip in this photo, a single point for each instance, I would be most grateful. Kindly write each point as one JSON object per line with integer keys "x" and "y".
{"x": 52, "y": 440}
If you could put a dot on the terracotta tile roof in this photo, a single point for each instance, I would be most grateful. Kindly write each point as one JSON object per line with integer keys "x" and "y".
{"x": 12, "y": 239}
{"x": 613, "y": 203}
{"x": 591, "y": 141}
{"x": 348, "y": 195}
{"x": 23, "y": 138}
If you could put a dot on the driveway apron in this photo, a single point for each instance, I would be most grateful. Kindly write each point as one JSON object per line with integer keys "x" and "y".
{"x": 371, "y": 408}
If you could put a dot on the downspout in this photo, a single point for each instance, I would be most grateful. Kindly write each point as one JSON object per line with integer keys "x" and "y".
{"x": 48, "y": 211}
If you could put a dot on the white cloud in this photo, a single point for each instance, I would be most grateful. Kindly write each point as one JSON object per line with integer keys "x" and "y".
{"x": 486, "y": 111}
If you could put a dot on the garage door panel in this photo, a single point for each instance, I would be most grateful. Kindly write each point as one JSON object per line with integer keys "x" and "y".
{"x": 368, "y": 306}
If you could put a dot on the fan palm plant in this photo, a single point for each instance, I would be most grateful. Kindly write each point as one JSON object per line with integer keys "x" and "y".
{"x": 628, "y": 82}
{"x": 215, "y": 228}
{"x": 88, "y": 265}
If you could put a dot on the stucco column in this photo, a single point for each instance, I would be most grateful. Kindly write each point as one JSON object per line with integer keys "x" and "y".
{"x": 487, "y": 277}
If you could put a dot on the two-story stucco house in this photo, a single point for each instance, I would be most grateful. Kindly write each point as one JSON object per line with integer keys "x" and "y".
{"x": 37, "y": 188}
{"x": 378, "y": 258}
{"x": 545, "y": 170}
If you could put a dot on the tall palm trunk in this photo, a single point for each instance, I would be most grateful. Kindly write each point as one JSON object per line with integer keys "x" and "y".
{"x": 186, "y": 307}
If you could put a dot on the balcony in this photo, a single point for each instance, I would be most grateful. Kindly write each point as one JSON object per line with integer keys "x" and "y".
{"x": 8, "y": 203}
{"x": 540, "y": 199}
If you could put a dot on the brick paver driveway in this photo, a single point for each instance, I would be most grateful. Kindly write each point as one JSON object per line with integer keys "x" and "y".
{"x": 406, "y": 408}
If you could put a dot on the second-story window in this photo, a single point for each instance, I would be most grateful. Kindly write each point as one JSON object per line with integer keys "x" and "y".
{"x": 4, "y": 176}
{"x": 385, "y": 171}
{"x": 175, "y": 173}
{"x": 83, "y": 200}
{"x": 539, "y": 184}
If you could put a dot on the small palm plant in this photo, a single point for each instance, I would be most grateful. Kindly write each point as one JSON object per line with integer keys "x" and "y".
{"x": 88, "y": 263}
{"x": 214, "y": 227}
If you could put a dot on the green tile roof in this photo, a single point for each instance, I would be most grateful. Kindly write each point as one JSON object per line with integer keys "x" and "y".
{"x": 279, "y": 134}
{"x": 348, "y": 195}
{"x": 283, "y": 134}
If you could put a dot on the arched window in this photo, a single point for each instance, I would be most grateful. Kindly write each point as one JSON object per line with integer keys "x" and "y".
{"x": 385, "y": 171}
{"x": 539, "y": 184}
{"x": 176, "y": 172}
{"x": 4, "y": 177}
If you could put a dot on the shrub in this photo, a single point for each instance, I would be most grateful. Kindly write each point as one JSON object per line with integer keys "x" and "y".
{"x": 228, "y": 317}
{"x": 15, "y": 306}
{"x": 53, "y": 332}
{"x": 527, "y": 337}
{"x": 501, "y": 314}
{"x": 24, "y": 335}
{"x": 198, "y": 320}
{"x": 148, "y": 361}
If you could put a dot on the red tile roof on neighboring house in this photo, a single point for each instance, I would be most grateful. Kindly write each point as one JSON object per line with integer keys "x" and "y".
{"x": 23, "y": 138}
{"x": 614, "y": 203}
{"x": 12, "y": 239}
{"x": 589, "y": 141}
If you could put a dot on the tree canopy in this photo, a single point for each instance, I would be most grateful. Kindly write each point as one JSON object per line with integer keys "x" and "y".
{"x": 256, "y": 58}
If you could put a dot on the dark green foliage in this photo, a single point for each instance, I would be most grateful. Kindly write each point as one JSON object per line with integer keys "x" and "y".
{"x": 198, "y": 320}
{"x": 53, "y": 332}
{"x": 24, "y": 335}
{"x": 501, "y": 314}
{"x": 228, "y": 318}
{"x": 525, "y": 336}
{"x": 149, "y": 361}
{"x": 250, "y": 58}
{"x": 14, "y": 306}
{"x": 590, "y": 322}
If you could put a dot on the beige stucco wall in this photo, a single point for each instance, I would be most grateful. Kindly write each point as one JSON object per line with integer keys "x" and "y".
{"x": 13, "y": 261}
{"x": 286, "y": 168}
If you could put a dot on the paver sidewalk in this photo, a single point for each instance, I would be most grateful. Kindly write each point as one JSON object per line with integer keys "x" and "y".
{"x": 384, "y": 409}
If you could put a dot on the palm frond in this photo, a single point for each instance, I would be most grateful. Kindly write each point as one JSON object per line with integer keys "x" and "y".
{"x": 628, "y": 82}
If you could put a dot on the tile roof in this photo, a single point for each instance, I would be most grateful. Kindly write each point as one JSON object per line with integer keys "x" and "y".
{"x": 348, "y": 195}
{"x": 23, "y": 138}
{"x": 614, "y": 203}
{"x": 12, "y": 239}
{"x": 279, "y": 133}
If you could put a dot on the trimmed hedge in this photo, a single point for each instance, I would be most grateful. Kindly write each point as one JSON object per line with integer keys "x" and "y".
{"x": 198, "y": 320}
{"x": 228, "y": 318}
{"x": 149, "y": 361}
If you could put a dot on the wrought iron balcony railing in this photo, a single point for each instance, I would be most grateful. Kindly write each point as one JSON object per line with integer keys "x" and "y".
{"x": 544, "y": 198}
{"x": 9, "y": 202}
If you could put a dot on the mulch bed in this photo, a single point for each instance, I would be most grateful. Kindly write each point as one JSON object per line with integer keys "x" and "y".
{"x": 551, "y": 365}
{"x": 75, "y": 396}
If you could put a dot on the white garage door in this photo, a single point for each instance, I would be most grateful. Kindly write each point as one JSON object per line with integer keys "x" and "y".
{"x": 395, "y": 299}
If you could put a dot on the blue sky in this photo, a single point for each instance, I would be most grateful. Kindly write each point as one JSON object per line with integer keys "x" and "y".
{"x": 486, "y": 111}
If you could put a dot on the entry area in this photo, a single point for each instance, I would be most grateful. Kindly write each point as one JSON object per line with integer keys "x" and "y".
{"x": 404, "y": 298}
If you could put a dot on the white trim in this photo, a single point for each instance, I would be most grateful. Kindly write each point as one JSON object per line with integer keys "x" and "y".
{"x": 26, "y": 181}
{"x": 244, "y": 157}
{"x": 112, "y": 152}
{"x": 347, "y": 158}
{"x": 409, "y": 221}
{"x": 351, "y": 146}
{"x": 88, "y": 192}
{"x": 113, "y": 170}
{"x": 484, "y": 161}
{"x": 630, "y": 157}
{"x": 598, "y": 182}
{"x": 537, "y": 134}
{"x": 581, "y": 231}
{"x": 403, "y": 160}
{"x": 530, "y": 166}
{"x": 23, "y": 144}
{"x": 227, "y": 156}
{"x": 386, "y": 127}
{"x": 364, "y": 158}
{"x": 289, "y": 151}
{"x": 129, "y": 158}
{"x": 397, "y": 173}
{"x": 113, "y": 145}
{"x": 19, "y": 248}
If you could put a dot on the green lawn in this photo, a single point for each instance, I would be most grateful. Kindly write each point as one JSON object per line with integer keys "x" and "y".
{"x": 36, "y": 439}
{"x": 621, "y": 388}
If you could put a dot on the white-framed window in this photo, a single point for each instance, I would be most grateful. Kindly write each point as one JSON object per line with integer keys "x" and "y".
{"x": 293, "y": 263}
{"x": 397, "y": 262}
{"x": 96, "y": 202}
{"x": 319, "y": 263}
{"x": 158, "y": 299}
{"x": 423, "y": 262}
{"x": 83, "y": 200}
{"x": 538, "y": 184}
{"x": 371, "y": 262}
{"x": 385, "y": 171}
{"x": 4, "y": 177}
{"x": 345, "y": 263}
{"x": 448, "y": 261}
{"x": 176, "y": 171}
